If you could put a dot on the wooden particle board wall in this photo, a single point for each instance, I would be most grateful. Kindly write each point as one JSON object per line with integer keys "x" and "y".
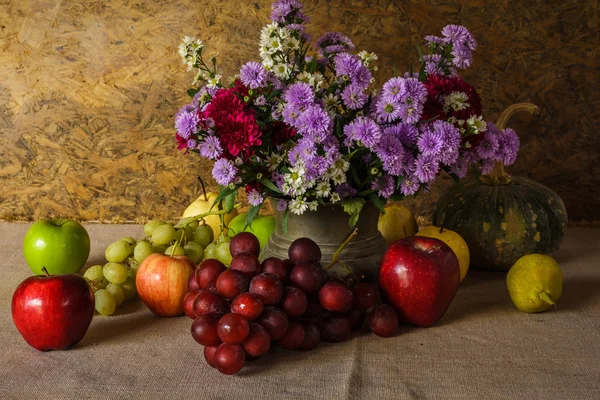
{"x": 88, "y": 91}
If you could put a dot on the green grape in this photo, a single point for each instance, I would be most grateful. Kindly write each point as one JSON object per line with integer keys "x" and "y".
{"x": 133, "y": 270}
{"x": 115, "y": 272}
{"x": 128, "y": 288}
{"x": 194, "y": 251}
{"x": 94, "y": 273}
{"x": 203, "y": 235}
{"x": 209, "y": 251}
{"x": 179, "y": 235}
{"x": 131, "y": 241}
{"x": 117, "y": 252}
{"x": 142, "y": 250}
{"x": 189, "y": 234}
{"x": 117, "y": 293}
{"x": 163, "y": 234}
{"x": 151, "y": 225}
{"x": 160, "y": 249}
{"x": 194, "y": 224}
{"x": 175, "y": 250}
{"x": 104, "y": 302}
{"x": 222, "y": 253}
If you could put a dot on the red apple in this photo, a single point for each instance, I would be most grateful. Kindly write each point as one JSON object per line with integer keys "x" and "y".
{"x": 419, "y": 276}
{"x": 162, "y": 282}
{"x": 53, "y": 312}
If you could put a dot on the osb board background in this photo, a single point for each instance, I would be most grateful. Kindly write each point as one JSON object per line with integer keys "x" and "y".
{"x": 88, "y": 90}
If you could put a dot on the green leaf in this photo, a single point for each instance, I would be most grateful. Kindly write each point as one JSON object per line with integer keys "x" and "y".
{"x": 420, "y": 52}
{"x": 399, "y": 183}
{"x": 397, "y": 197}
{"x": 353, "y": 207}
{"x": 355, "y": 177}
{"x": 365, "y": 193}
{"x": 312, "y": 65}
{"x": 284, "y": 222}
{"x": 394, "y": 70}
{"x": 230, "y": 202}
{"x": 224, "y": 191}
{"x": 252, "y": 213}
{"x": 192, "y": 92}
{"x": 379, "y": 203}
{"x": 270, "y": 185}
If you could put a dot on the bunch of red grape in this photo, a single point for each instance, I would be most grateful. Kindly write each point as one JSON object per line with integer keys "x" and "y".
{"x": 240, "y": 311}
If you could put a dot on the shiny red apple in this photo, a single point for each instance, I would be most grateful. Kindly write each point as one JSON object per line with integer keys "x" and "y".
{"x": 53, "y": 312}
{"x": 419, "y": 276}
{"x": 162, "y": 281}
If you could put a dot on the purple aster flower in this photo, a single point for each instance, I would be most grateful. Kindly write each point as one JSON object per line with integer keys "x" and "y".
{"x": 303, "y": 152}
{"x": 432, "y": 64}
{"x": 451, "y": 138}
{"x": 409, "y": 75}
{"x": 462, "y": 57}
{"x": 210, "y": 148}
{"x": 347, "y": 65}
{"x": 253, "y": 75}
{"x": 409, "y": 185}
{"x": 363, "y": 130}
{"x": 255, "y": 198}
{"x": 435, "y": 39}
{"x": 416, "y": 92}
{"x": 315, "y": 122}
{"x": 334, "y": 48}
{"x": 187, "y": 121}
{"x": 345, "y": 191}
{"x": 487, "y": 166}
{"x": 331, "y": 148}
{"x": 275, "y": 81}
{"x": 291, "y": 112}
{"x": 388, "y": 110}
{"x": 509, "y": 146}
{"x": 409, "y": 163}
{"x": 277, "y": 179}
{"x": 296, "y": 27}
{"x": 333, "y": 39}
{"x": 282, "y": 205}
{"x": 354, "y": 97}
{"x": 384, "y": 185}
{"x": 426, "y": 168}
{"x": 300, "y": 93}
{"x": 224, "y": 171}
{"x": 405, "y": 132}
{"x": 459, "y": 34}
{"x": 431, "y": 142}
{"x": 316, "y": 167}
{"x": 391, "y": 153}
{"x": 393, "y": 89}
{"x": 362, "y": 77}
{"x": 411, "y": 113}
{"x": 197, "y": 97}
{"x": 459, "y": 168}
{"x": 260, "y": 101}
{"x": 192, "y": 143}
{"x": 367, "y": 158}
{"x": 489, "y": 145}
{"x": 284, "y": 8}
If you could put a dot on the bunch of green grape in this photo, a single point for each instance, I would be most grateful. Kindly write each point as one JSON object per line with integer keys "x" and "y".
{"x": 188, "y": 237}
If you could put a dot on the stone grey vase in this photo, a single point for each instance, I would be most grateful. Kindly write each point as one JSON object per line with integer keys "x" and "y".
{"x": 329, "y": 227}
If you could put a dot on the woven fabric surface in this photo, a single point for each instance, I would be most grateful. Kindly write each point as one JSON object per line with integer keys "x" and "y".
{"x": 483, "y": 348}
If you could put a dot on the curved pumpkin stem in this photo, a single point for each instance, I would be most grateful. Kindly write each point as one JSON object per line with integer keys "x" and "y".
{"x": 498, "y": 176}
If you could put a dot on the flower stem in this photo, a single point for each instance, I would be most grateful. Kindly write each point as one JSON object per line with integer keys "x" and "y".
{"x": 336, "y": 256}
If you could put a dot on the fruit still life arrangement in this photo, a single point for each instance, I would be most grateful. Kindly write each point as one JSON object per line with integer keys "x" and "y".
{"x": 308, "y": 131}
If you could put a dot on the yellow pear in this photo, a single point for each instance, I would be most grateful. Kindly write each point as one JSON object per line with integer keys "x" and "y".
{"x": 534, "y": 283}
{"x": 397, "y": 223}
{"x": 202, "y": 205}
{"x": 454, "y": 241}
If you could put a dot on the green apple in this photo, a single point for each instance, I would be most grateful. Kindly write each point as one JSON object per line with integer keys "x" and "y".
{"x": 262, "y": 227}
{"x": 60, "y": 245}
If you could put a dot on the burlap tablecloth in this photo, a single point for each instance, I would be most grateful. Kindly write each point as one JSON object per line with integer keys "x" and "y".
{"x": 483, "y": 348}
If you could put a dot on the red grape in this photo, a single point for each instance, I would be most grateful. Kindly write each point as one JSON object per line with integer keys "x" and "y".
{"x": 248, "y": 264}
{"x": 207, "y": 273}
{"x": 312, "y": 336}
{"x": 247, "y": 304}
{"x": 335, "y": 296}
{"x": 308, "y": 277}
{"x": 274, "y": 321}
{"x": 383, "y": 320}
{"x": 188, "y": 303}
{"x": 276, "y": 266}
{"x": 244, "y": 242}
{"x": 229, "y": 358}
{"x": 313, "y": 306}
{"x": 335, "y": 328}
{"x": 293, "y": 336}
{"x": 204, "y": 330}
{"x": 365, "y": 295}
{"x": 233, "y": 328}
{"x": 232, "y": 283}
{"x": 258, "y": 341}
{"x": 293, "y": 302}
{"x": 208, "y": 302}
{"x": 357, "y": 318}
{"x": 192, "y": 283}
{"x": 304, "y": 250}
{"x": 209, "y": 355}
{"x": 268, "y": 287}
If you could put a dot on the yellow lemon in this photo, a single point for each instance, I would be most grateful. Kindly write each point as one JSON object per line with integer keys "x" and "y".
{"x": 456, "y": 243}
{"x": 397, "y": 223}
{"x": 202, "y": 205}
{"x": 534, "y": 283}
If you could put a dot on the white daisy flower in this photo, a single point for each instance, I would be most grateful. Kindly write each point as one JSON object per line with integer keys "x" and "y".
{"x": 298, "y": 205}
{"x": 335, "y": 197}
{"x": 313, "y": 205}
{"x": 478, "y": 123}
{"x": 456, "y": 101}
{"x": 323, "y": 189}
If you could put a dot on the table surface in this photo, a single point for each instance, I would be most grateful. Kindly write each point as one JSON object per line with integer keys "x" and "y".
{"x": 483, "y": 348}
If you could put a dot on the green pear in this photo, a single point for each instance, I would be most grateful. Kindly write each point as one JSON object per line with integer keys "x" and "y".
{"x": 262, "y": 227}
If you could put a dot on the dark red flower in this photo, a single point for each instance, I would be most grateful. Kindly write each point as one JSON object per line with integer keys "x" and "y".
{"x": 238, "y": 132}
{"x": 281, "y": 132}
{"x": 223, "y": 103}
{"x": 240, "y": 88}
{"x": 181, "y": 143}
{"x": 438, "y": 87}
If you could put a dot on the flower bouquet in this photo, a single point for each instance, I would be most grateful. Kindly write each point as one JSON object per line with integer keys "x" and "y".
{"x": 307, "y": 125}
